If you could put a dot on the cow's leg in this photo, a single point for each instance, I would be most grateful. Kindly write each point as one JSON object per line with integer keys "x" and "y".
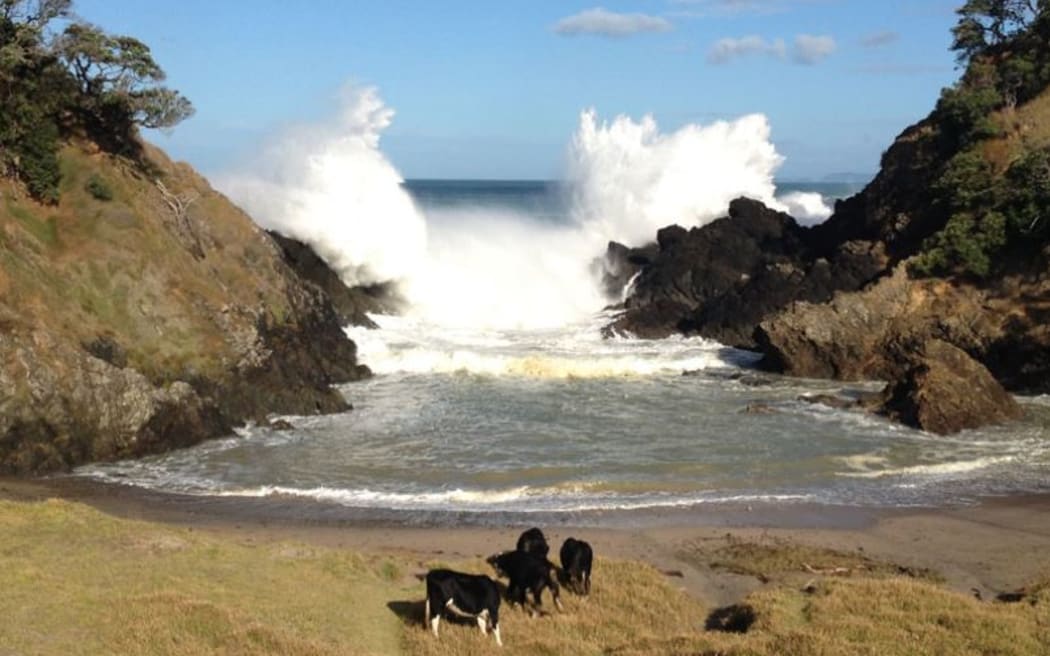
{"x": 483, "y": 622}
{"x": 495, "y": 630}
{"x": 434, "y": 621}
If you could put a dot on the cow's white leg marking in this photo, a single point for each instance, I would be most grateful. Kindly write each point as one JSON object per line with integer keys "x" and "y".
{"x": 426, "y": 613}
{"x": 434, "y": 621}
{"x": 495, "y": 630}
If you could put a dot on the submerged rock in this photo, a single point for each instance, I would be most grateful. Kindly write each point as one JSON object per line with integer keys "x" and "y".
{"x": 832, "y": 401}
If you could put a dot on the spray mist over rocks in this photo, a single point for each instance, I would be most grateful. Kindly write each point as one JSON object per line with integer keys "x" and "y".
{"x": 630, "y": 179}
{"x": 331, "y": 187}
{"x": 478, "y": 268}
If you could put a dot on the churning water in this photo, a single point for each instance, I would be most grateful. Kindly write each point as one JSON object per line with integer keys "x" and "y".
{"x": 495, "y": 394}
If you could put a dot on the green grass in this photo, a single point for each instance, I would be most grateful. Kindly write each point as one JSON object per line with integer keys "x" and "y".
{"x": 44, "y": 231}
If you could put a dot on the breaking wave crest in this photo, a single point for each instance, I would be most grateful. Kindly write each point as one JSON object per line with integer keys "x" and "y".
{"x": 331, "y": 186}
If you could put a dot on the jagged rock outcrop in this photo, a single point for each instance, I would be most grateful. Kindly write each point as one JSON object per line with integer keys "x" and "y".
{"x": 722, "y": 279}
{"x": 133, "y": 324}
{"x": 352, "y": 304}
{"x": 866, "y": 334}
{"x": 62, "y": 406}
{"x": 894, "y": 209}
{"x": 944, "y": 391}
{"x": 873, "y": 333}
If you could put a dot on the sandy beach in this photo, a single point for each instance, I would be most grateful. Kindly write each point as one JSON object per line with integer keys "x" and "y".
{"x": 994, "y": 546}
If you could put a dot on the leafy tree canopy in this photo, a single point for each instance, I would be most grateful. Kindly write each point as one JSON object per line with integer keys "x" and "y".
{"x": 60, "y": 76}
{"x": 984, "y": 24}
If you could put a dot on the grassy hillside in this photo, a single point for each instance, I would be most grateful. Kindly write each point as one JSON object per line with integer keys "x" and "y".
{"x": 143, "y": 311}
{"x": 80, "y": 582}
{"x": 124, "y": 268}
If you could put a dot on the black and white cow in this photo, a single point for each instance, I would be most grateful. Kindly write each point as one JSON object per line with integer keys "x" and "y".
{"x": 526, "y": 573}
{"x": 576, "y": 558}
{"x": 466, "y": 595}
{"x": 533, "y": 541}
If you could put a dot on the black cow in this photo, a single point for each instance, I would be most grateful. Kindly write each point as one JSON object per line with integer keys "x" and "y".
{"x": 466, "y": 595}
{"x": 576, "y": 558}
{"x": 534, "y": 542}
{"x": 527, "y": 573}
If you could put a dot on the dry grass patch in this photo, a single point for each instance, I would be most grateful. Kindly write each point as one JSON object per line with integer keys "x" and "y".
{"x": 777, "y": 560}
{"x": 76, "y": 581}
{"x": 79, "y": 582}
{"x": 630, "y": 603}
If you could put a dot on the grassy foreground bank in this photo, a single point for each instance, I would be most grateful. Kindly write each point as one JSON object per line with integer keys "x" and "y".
{"x": 77, "y": 581}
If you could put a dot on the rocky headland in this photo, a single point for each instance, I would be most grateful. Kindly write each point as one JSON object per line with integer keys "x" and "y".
{"x": 142, "y": 311}
{"x": 941, "y": 264}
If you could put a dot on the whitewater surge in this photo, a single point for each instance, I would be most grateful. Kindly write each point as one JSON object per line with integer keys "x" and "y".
{"x": 406, "y": 345}
{"x": 331, "y": 186}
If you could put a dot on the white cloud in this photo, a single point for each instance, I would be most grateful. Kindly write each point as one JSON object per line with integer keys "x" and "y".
{"x": 728, "y": 49}
{"x": 880, "y": 39}
{"x": 602, "y": 22}
{"x": 809, "y": 49}
{"x": 704, "y": 8}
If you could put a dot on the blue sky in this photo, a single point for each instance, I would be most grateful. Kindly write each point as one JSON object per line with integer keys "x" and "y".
{"x": 494, "y": 88}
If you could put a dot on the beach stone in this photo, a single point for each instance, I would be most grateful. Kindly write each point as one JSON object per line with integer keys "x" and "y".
{"x": 946, "y": 391}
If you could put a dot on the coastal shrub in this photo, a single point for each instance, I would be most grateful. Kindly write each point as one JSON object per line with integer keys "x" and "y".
{"x": 1028, "y": 180}
{"x": 965, "y": 110}
{"x": 967, "y": 246}
{"x": 98, "y": 188}
{"x": 36, "y": 159}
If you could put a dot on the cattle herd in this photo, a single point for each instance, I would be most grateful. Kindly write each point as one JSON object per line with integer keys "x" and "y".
{"x": 528, "y": 572}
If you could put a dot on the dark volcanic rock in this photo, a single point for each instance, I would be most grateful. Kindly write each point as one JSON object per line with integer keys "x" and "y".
{"x": 945, "y": 391}
{"x": 722, "y": 279}
{"x": 351, "y": 303}
{"x": 620, "y": 264}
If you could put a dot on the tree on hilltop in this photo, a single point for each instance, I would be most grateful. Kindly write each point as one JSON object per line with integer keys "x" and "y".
{"x": 119, "y": 71}
{"x": 59, "y": 77}
{"x": 985, "y": 24}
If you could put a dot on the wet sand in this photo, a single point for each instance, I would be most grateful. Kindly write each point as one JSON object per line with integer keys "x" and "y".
{"x": 995, "y": 546}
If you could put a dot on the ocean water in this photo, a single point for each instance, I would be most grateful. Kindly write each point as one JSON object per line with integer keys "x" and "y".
{"x": 499, "y": 403}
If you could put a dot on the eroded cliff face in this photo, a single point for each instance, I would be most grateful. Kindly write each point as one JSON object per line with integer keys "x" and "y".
{"x": 870, "y": 334}
{"x": 149, "y": 315}
{"x": 352, "y": 304}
